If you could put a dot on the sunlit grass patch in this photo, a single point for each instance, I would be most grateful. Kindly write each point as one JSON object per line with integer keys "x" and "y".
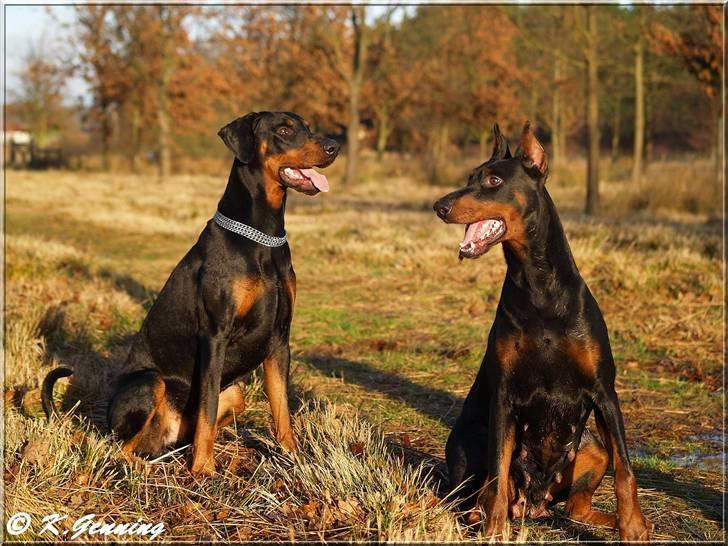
{"x": 388, "y": 333}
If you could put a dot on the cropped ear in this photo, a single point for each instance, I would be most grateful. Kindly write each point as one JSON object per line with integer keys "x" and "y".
{"x": 238, "y": 136}
{"x": 532, "y": 153}
{"x": 500, "y": 145}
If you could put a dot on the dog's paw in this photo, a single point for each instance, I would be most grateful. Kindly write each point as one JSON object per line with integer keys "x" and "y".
{"x": 637, "y": 529}
{"x": 202, "y": 467}
{"x": 497, "y": 524}
{"x": 288, "y": 442}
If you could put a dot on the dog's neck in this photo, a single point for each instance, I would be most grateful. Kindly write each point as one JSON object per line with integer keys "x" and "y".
{"x": 245, "y": 201}
{"x": 543, "y": 273}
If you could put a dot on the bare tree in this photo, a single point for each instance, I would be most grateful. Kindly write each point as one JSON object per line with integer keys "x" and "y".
{"x": 166, "y": 67}
{"x": 591, "y": 55}
{"x": 346, "y": 52}
{"x": 639, "y": 101}
{"x": 40, "y": 95}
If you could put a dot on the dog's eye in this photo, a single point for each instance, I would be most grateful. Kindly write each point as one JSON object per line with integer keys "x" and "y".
{"x": 493, "y": 181}
{"x": 284, "y": 131}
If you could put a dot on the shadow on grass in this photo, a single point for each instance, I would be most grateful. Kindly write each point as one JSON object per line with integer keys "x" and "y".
{"x": 432, "y": 402}
{"x": 93, "y": 371}
{"x": 709, "y": 501}
{"x": 443, "y": 406}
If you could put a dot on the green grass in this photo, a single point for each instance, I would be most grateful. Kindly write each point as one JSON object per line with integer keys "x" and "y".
{"x": 388, "y": 333}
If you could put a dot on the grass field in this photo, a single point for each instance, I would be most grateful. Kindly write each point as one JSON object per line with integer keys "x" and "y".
{"x": 388, "y": 333}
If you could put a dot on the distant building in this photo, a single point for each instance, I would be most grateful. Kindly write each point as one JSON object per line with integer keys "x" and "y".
{"x": 21, "y": 151}
{"x": 18, "y": 144}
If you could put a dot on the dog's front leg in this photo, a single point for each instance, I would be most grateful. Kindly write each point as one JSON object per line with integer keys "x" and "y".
{"x": 211, "y": 356}
{"x": 632, "y": 524}
{"x": 275, "y": 369}
{"x": 501, "y": 441}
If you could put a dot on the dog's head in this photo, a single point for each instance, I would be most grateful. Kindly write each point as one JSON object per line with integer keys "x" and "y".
{"x": 283, "y": 147}
{"x": 496, "y": 203}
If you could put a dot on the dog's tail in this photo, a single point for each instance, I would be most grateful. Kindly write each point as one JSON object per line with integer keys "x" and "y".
{"x": 46, "y": 392}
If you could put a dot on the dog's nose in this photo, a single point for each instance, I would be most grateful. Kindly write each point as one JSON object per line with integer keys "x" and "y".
{"x": 442, "y": 208}
{"x": 331, "y": 147}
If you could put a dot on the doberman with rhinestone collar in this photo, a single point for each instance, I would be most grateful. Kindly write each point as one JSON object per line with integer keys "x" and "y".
{"x": 521, "y": 443}
{"x": 226, "y": 308}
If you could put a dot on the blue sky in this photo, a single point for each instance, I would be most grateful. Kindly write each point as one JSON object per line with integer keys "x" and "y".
{"x": 40, "y": 27}
{"x": 43, "y": 27}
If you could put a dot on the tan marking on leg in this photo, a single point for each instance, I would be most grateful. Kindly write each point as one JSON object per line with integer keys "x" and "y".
{"x": 203, "y": 446}
{"x": 580, "y": 480}
{"x": 632, "y": 524}
{"x": 290, "y": 284}
{"x": 231, "y": 405}
{"x": 497, "y": 502}
{"x": 246, "y": 291}
{"x": 275, "y": 390}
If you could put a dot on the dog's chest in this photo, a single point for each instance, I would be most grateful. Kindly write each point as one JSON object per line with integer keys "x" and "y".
{"x": 263, "y": 304}
{"x": 262, "y": 312}
{"x": 547, "y": 360}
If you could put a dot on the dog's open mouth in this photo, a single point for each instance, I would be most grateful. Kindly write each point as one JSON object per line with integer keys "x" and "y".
{"x": 308, "y": 181}
{"x": 480, "y": 236}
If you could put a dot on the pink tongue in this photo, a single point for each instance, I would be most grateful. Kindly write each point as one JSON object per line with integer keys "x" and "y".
{"x": 317, "y": 179}
{"x": 472, "y": 232}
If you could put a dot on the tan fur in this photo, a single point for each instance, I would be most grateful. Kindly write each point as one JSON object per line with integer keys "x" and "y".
{"x": 467, "y": 210}
{"x": 275, "y": 390}
{"x": 309, "y": 155}
{"x": 508, "y": 349}
{"x": 290, "y": 284}
{"x": 585, "y": 354}
{"x": 246, "y": 291}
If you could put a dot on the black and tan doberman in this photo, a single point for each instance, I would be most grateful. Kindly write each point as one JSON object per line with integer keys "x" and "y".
{"x": 521, "y": 443}
{"x": 227, "y": 306}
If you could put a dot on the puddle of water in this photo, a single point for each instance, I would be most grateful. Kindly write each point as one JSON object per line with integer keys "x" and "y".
{"x": 713, "y": 461}
{"x": 710, "y": 461}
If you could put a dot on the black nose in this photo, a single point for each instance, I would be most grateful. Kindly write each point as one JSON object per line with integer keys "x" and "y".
{"x": 331, "y": 147}
{"x": 442, "y": 208}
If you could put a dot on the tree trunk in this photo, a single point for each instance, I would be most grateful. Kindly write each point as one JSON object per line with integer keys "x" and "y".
{"x": 382, "y": 131}
{"x": 352, "y": 137}
{"x": 439, "y": 141}
{"x": 720, "y": 144}
{"x": 135, "y": 138}
{"x": 358, "y": 15}
{"x": 165, "y": 154}
{"x": 484, "y": 144}
{"x": 592, "y": 113}
{"x": 639, "y": 111}
{"x": 556, "y": 150}
{"x": 616, "y": 128}
{"x": 105, "y": 140}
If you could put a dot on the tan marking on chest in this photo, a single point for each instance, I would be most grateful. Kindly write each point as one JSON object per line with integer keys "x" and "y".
{"x": 586, "y": 355}
{"x": 246, "y": 291}
{"x": 508, "y": 348}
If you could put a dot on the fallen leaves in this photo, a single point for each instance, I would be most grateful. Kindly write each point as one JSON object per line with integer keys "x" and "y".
{"x": 324, "y": 514}
{"x": 35, "y": 451}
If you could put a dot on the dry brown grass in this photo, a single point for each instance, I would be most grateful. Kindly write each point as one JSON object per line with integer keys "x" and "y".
{"x": 387, "y": 335}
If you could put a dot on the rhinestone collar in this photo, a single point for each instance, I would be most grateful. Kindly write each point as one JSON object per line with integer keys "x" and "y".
{"x": 249, "y": 232}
